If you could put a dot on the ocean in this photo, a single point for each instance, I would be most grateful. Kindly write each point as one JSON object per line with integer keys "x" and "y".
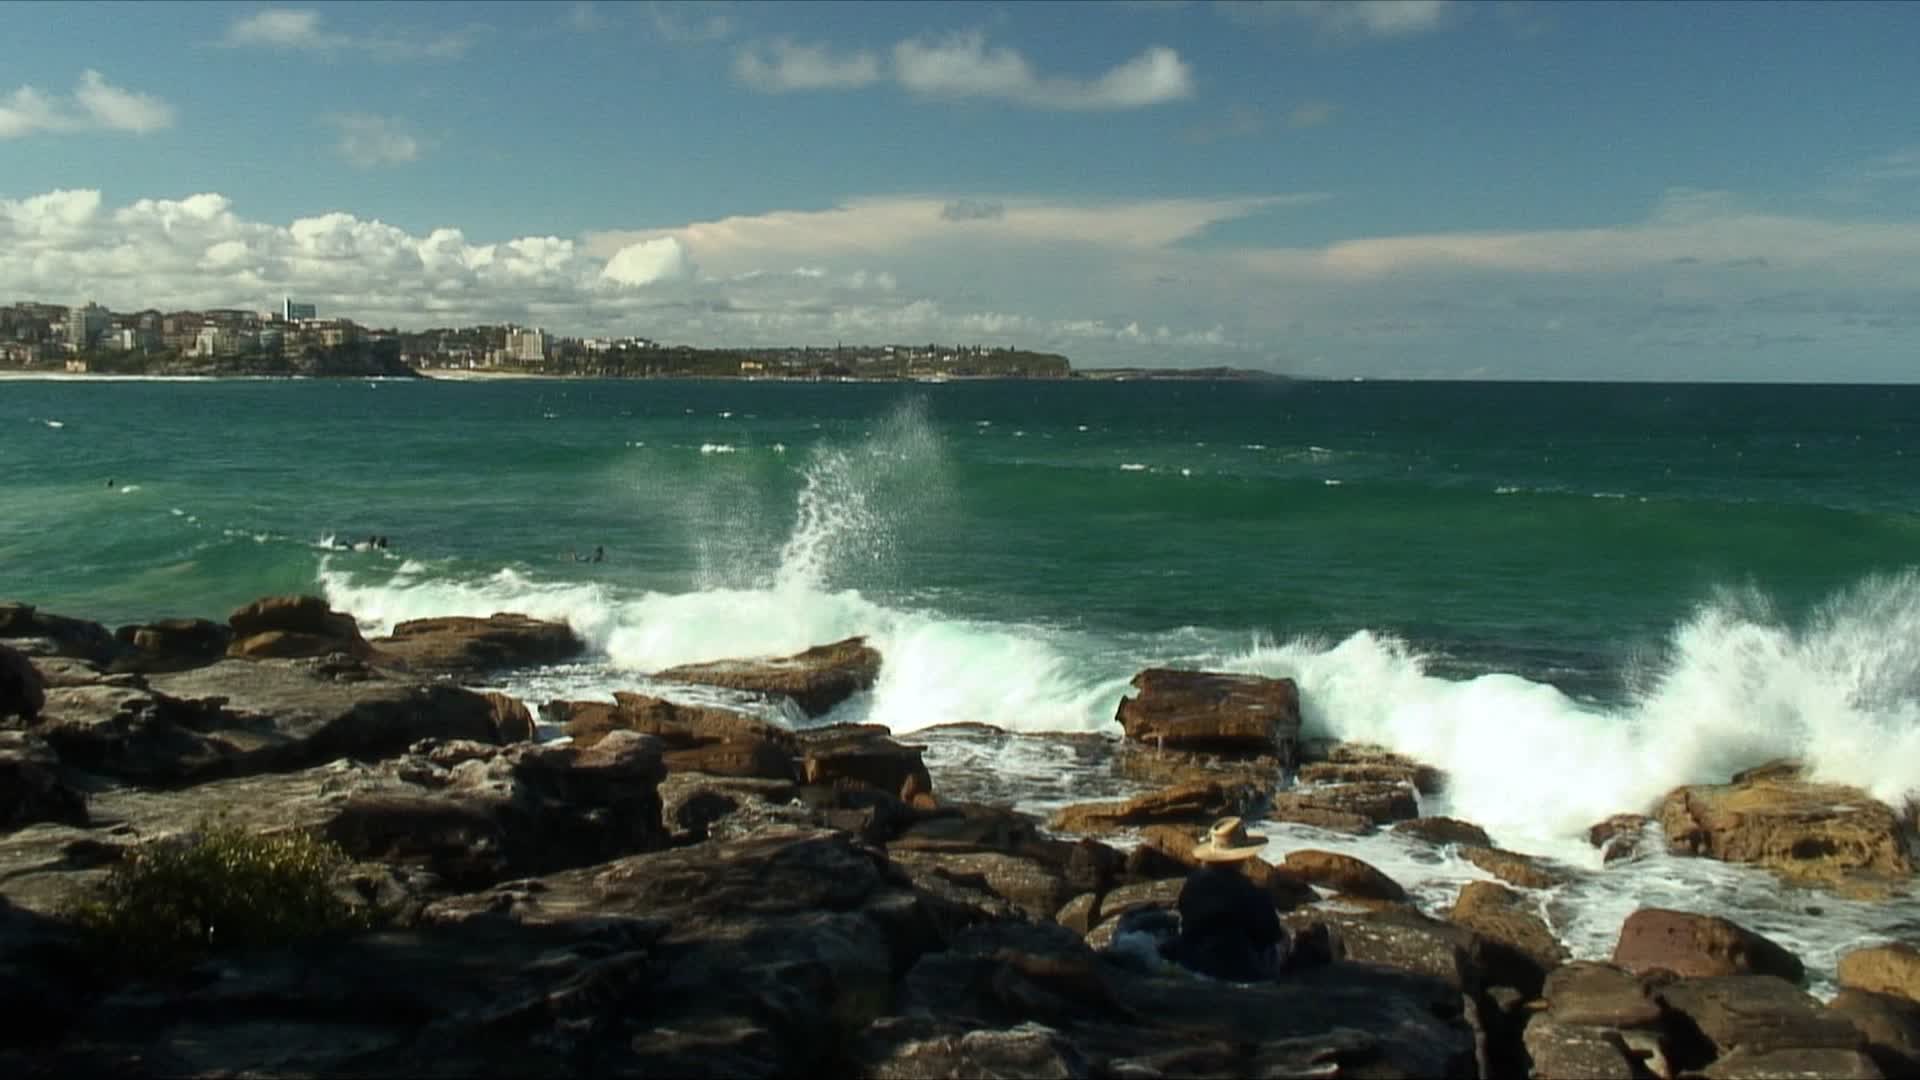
{"x": 1571, "y": 597}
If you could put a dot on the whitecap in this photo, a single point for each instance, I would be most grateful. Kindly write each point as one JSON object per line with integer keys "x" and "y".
{"x": 1133, "y": 466}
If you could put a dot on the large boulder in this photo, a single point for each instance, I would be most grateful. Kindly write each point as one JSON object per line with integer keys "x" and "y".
{"x": 816, "y": 680}
{"x": 40, "y": 634}
{"x": 1365, "y": 763}
{"x": 1343, "y": 875}
{"x": 1589, "y": 994}
{"x": 1444, "y": 830}
{"x": 1354, "y": 808}
{"x": 1522, "y": 950}
{"x": 22, "y": 691}
{"x": 1208, "y": 711}
{"x": 864, "y": 757}
{"x": 1819, "y": 833}
{"x": 1513, "y": 868}
{"x": 1698, "y": 946}
{"x": 172, "y": 644}
{"x": 1893, "y": 968}
{"x": 293, "y": 627}
{"x": 462, "y": 645}
{"x": 1758, "y": 1014}
{"x": 1889, "y": 1024}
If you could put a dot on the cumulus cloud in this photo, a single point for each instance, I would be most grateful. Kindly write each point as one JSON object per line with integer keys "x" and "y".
{"x": 367, "y": 141}
{"x": 303, "y": 30}
{"x": 963, "y": 65}
{"x": 649, "y": 261}
{"x": 94, "y": 105}
{"x": 785, "y": 65}
{"x": 1375, "y": 18}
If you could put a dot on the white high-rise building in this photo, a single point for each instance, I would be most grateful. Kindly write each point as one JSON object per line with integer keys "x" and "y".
{"x": 85, "y": 325}
{"x": 527, "y": 346}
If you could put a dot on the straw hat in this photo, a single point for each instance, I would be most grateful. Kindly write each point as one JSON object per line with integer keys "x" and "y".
{"x": 1228, "y": 841}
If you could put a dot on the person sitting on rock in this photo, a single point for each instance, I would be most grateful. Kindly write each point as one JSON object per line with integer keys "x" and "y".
{"x": 1229, "y": 928}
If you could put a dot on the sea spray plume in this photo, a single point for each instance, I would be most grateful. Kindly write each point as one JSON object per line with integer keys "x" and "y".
{"x": 856, "y": 502}
{"x": 1842, "y": 693}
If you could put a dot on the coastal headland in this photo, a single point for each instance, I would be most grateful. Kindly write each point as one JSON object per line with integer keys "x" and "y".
{"x": 706, "y": 884}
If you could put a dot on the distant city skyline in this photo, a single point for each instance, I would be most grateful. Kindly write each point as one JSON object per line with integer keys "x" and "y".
{"x": 1378, "y": 188}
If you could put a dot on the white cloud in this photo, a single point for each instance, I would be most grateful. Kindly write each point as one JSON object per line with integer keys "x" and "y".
{"x": 302, "y": 30}
{"x": 960, "y": 66}
{"x": 1375, "y": 18}
{"x": 648, "y": 262}
{"x": 95, "y": 105}
{"x": 691, "y": 24}
{"x": 786, "y": 65}
{"x": 368, "y": 141}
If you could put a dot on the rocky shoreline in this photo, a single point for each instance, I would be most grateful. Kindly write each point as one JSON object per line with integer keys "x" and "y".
{"x": 682, "y": 887}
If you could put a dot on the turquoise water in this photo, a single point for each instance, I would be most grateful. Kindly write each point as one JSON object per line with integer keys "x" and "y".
{"x": 1698, "y": 574}
{"x": 1570, "y": 597}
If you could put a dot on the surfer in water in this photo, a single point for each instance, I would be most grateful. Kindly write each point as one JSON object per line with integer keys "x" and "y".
{"x": 599, "y": 555}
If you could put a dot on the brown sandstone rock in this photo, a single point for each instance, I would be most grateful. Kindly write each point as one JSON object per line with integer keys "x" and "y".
{"x": 1341, "y": 806}
{"x": 1618, "y": 837}
{"x": 1527, "y": 950}
{"x": 172, "y": 644}
{"x": 1825, "y": 1063}
{"x": 1889, "y": 1024}
{"x": 1444, "y": 830}
{"x": 1342, "y": 874}
{"x": 1513, "y": 868}
{"x": 463, "y": 645}
{"x": 293, "y": 626}
{"x": 870, "y": 759}
{"x": 745, "y": 758}
{"x": 1386, "y": 769}
{"x": 1560, "y": 1051}
{"x": 1813, "y": 832}
{"x": 39, "y": 634}
{"x": 817, "y": 679}
{"x": 1590, "y": 994}
{"x": 512, "y": 722}
{"x": 1025, "y": 883}
{"x": 1699, "y": 946}
{"x": 1893, "y": 968}
{"x": 1289, "y": 890}
{"x": 1206, "y": 711}
{"x": 1187, "y": 804}
{"x": 1756, "y": 1013}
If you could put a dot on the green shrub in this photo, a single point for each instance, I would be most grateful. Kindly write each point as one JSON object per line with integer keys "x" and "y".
{"x": 169, "y": 902}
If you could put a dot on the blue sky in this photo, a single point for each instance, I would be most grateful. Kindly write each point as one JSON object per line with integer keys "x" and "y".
{"x": 1388, "y": 189}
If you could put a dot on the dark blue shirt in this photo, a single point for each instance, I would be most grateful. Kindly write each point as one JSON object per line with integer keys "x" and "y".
{"x": 1228, "y": 926}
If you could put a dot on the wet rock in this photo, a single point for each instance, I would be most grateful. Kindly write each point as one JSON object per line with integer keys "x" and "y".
{"x": 1190, "y": 804}
{"x": 1080, "y": 914}
{"x": 1384, "y": 769}
{"x": 690, "y": 803}
{"x": 1342, "y": 874}
{"x": 22, "y": 694}
{"x": 1696, "y": 946}
{"x": 874, "y": 760}
{"x": 1514, "y": 868}
{"x": 1172, "y": 768}
{"x": 1585, "y": 993}
{"x": 36, "y": 633}
{"x": 681, "y": 726}
{"x": 1521, "y": 950}
{"x": 816, "y": 680}
{"x": 1444, "y": 830}
{"x": 172, "y": 644}
{"x": 1619, "y": 836}
{"x": 1206, "y": 711}
{"x": 31, "y": 787}
{"x": 512, "y": 722}
{"x": 292, "y": 627}
{"x": 1811, "y": 832}
{"x": 1889, "y": 1024}
{"x": 903, "y": 1049}
{"x": 1758, "y": 1013}
{"x": 1566, "y": 1052}
{"x": 1883, "y": 969}
{"x": 463, "y": 645}
{"x": 1354, "y": 808}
